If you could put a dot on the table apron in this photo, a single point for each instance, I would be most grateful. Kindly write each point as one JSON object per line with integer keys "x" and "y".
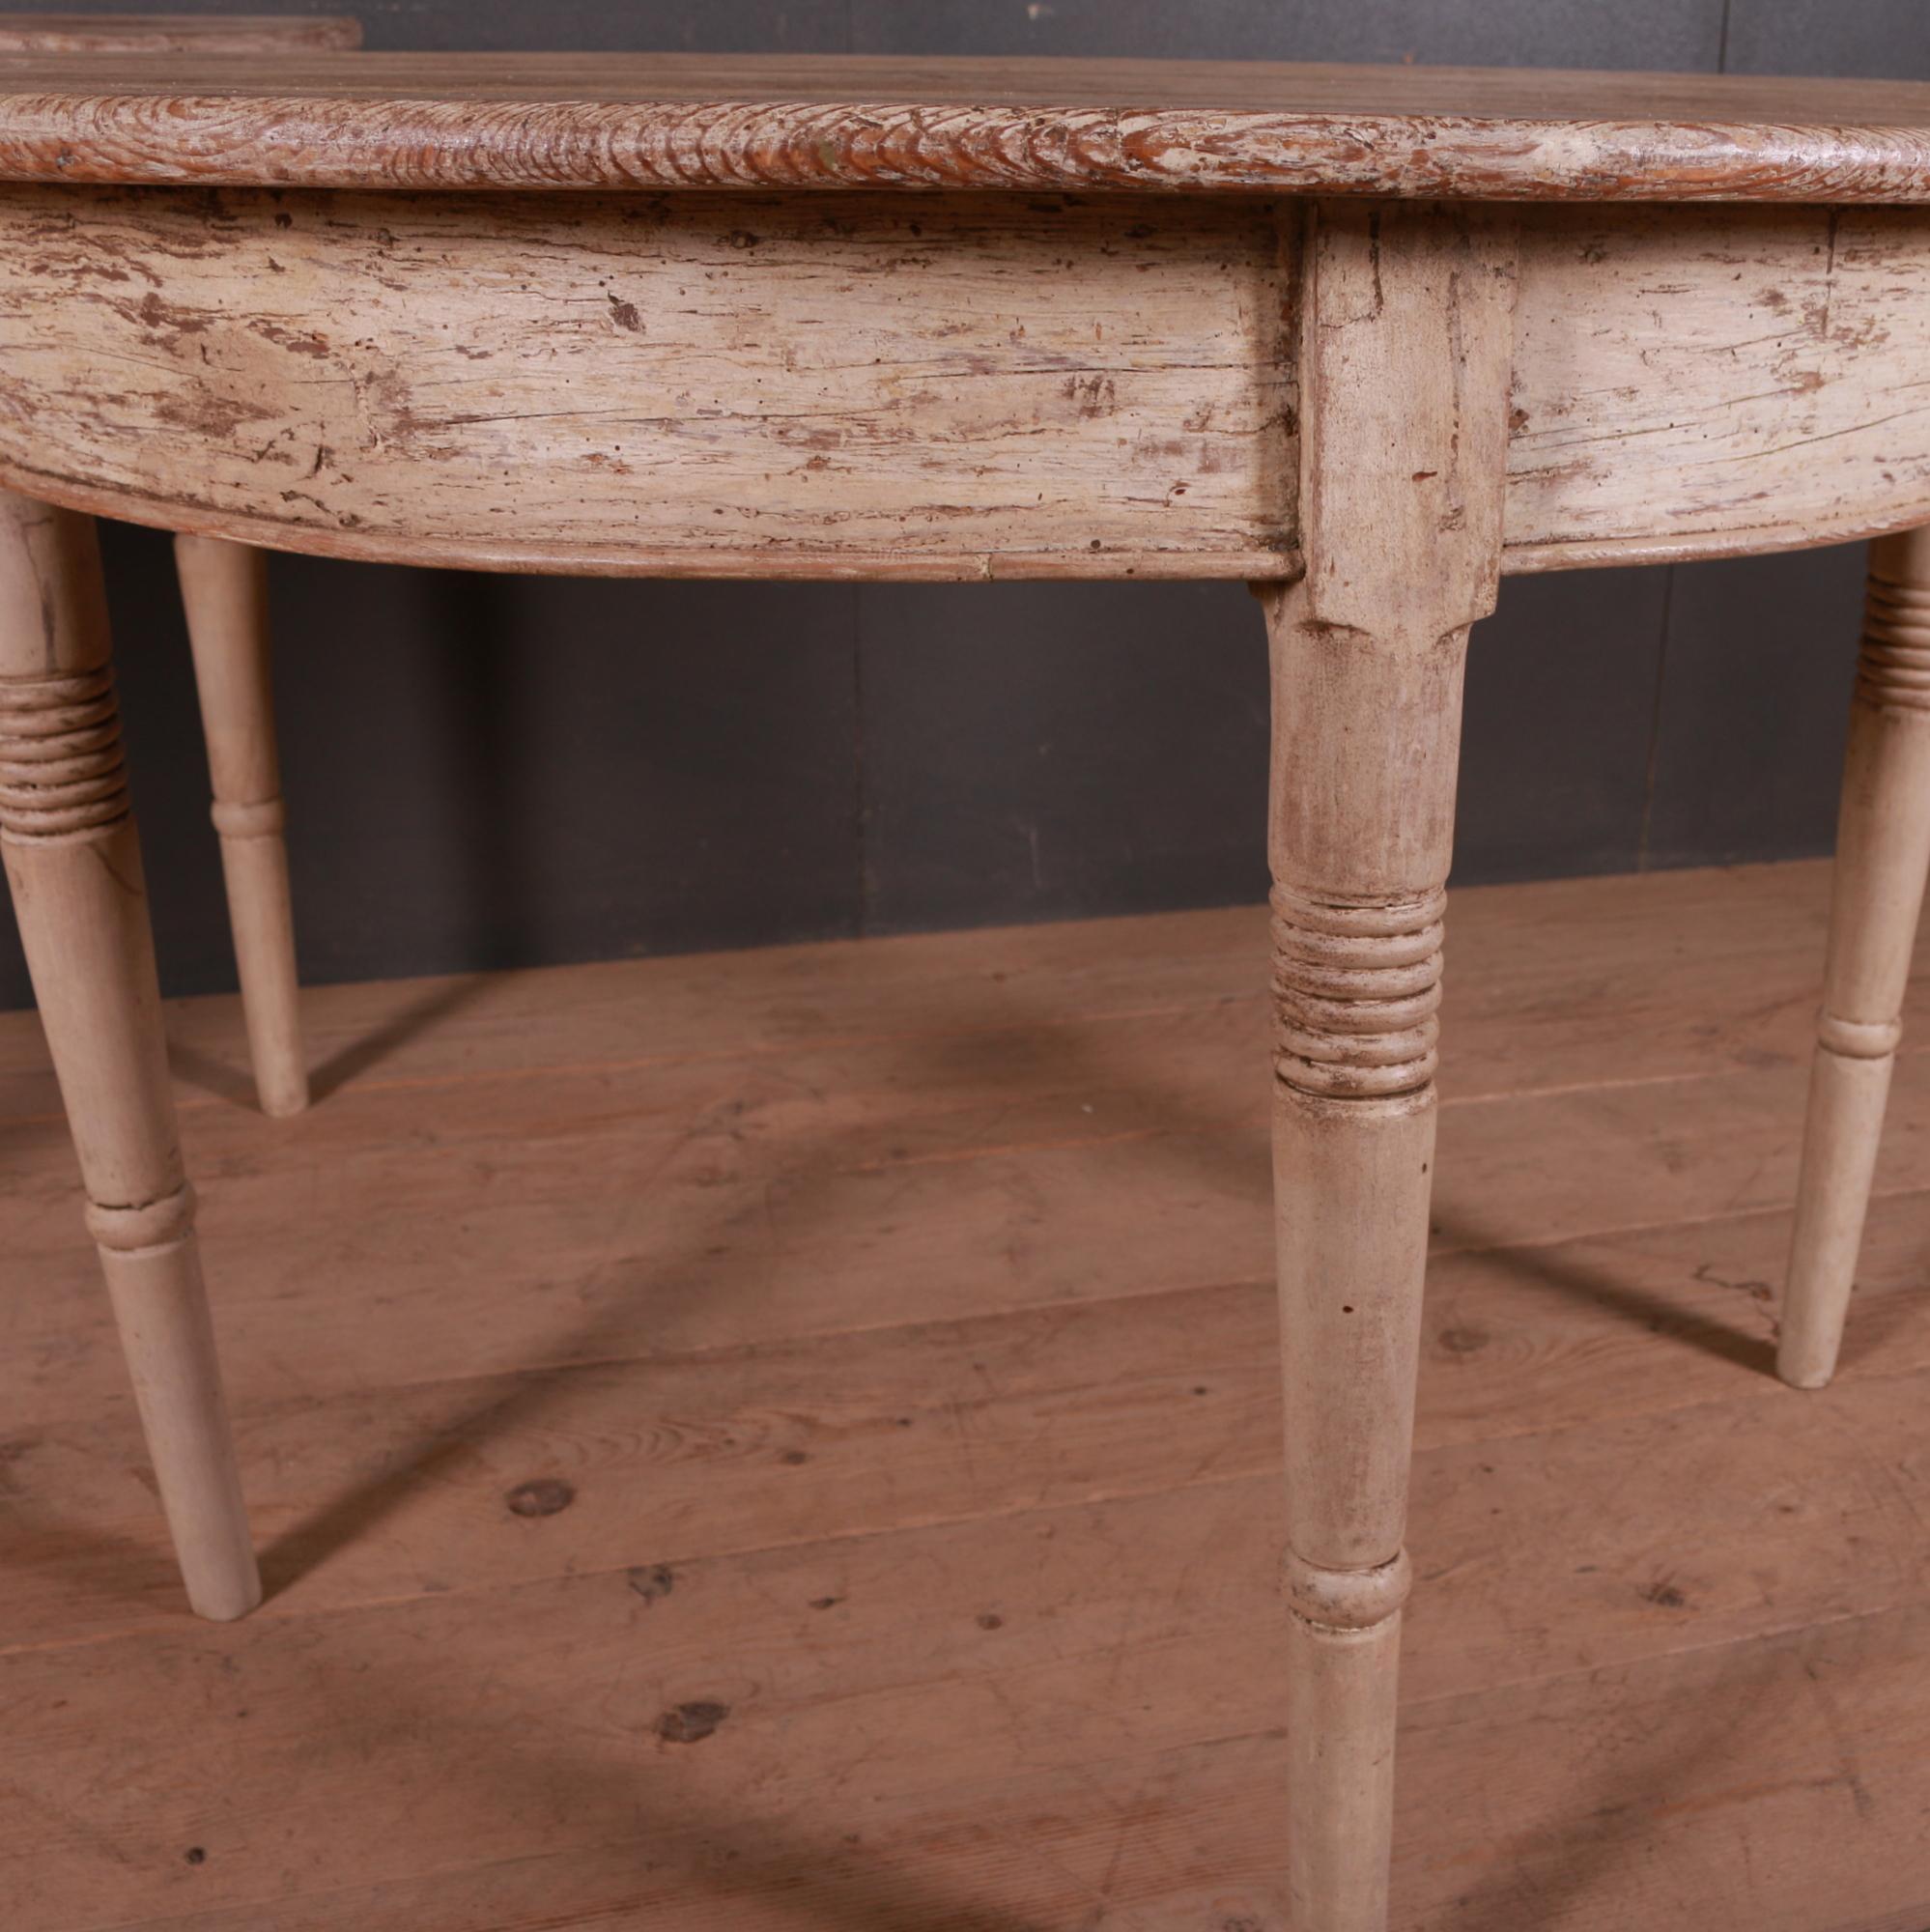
{"x": 944, "y": 385}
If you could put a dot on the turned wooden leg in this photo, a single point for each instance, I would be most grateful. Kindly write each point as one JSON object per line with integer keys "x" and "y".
{"x": 1883, "y": 850}
{"x": 1405, "y": 395}
{"x": 224, "y": 586}
{"x": 73, "y": 864}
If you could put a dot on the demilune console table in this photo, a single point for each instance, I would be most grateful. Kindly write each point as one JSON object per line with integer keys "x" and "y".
{"x": 1363, "y": 338}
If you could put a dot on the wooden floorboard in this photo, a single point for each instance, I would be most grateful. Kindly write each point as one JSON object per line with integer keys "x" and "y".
{"x": 889, "y": 1325}
{"x": 342, "y": 1262}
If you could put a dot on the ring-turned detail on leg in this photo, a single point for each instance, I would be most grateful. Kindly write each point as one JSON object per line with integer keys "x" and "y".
{"x": 74, "y": 865}
{"x": 1407, "y": 333}
{"x": 1883, "y": 849}
{"x": 224, "y": 590}
{"x": 1355, "y": 987}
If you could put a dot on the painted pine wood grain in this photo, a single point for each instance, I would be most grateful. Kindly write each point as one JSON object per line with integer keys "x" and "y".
{"x": 1741, "y": 380}
{"x": 469, "y": 121}
{"x": 936, "y": 387}
{"x": 874, "y": 387}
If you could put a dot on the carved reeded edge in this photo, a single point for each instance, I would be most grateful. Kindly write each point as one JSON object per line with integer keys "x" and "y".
{"x": 327, "y": 140}
{"x": 1356, "y": 988}
{"x": 62, "y": 773}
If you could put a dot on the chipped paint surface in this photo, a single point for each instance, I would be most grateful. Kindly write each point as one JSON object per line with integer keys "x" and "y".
{"x": 955, "y": 386}
{"x": 693, "y": 384}
{"x": 1749, "y": 374}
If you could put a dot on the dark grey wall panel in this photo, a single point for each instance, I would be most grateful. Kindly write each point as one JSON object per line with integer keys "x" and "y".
{"x": 486, "y": 771}
{"x": 1845, "y": 37}
{"x": 498, "y": 771}
{"x": 550, "y": 770}
{"x": 724, "y": 26}
{"x": 1681, "y": 34}
{"x": 1756, "y": 700}
{"x": 1653, "y": 34}
{"x": 1058, "y": 751}
{"x": 1561, "y": 700}
{"x": 1040, "y": 751}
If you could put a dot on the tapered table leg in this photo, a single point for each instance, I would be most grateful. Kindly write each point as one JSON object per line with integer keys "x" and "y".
{"x": 1883, "y": 850}
{"x": 73, "y": 864}
{"x": 224, "y": 588}
{"x": 1407, "y": 319}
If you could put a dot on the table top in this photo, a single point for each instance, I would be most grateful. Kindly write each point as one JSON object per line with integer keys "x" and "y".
{"x": 677, "y": 121}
